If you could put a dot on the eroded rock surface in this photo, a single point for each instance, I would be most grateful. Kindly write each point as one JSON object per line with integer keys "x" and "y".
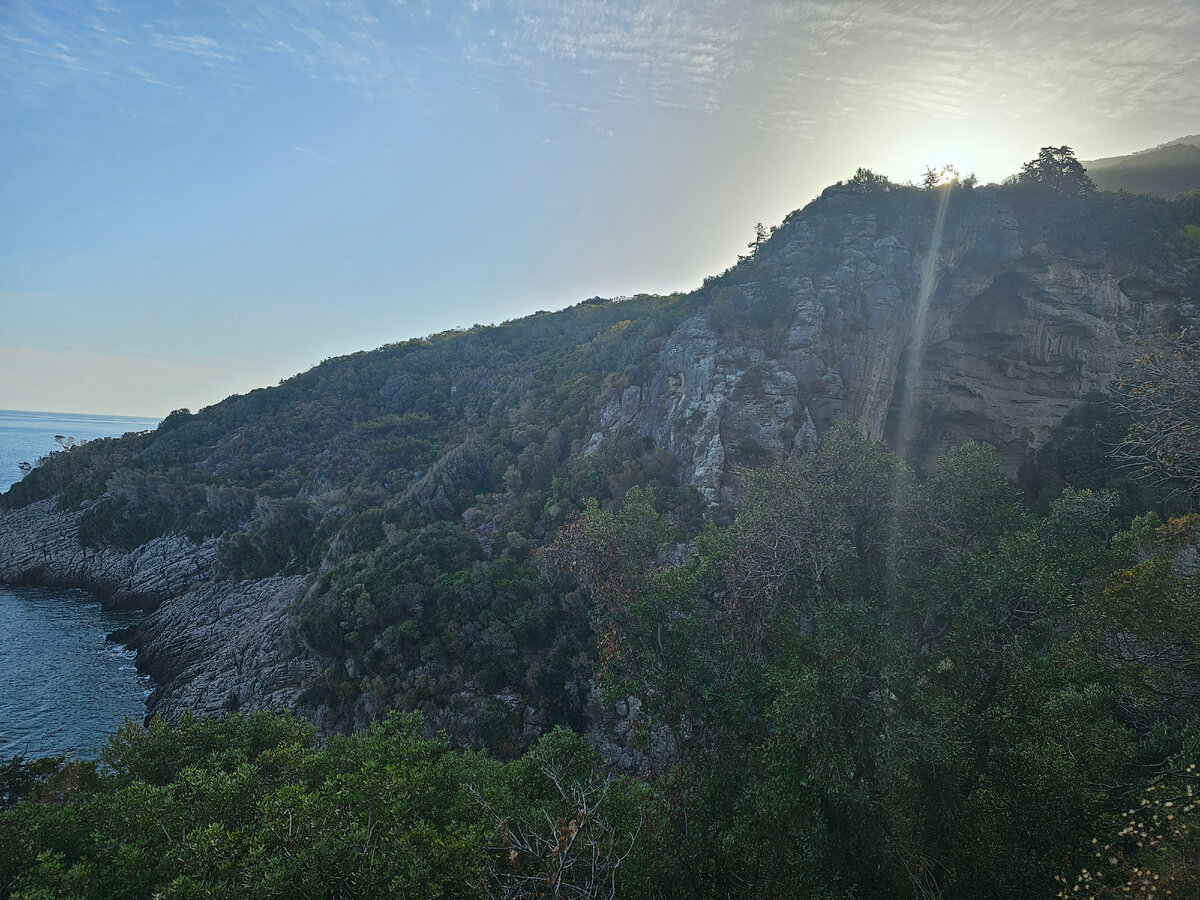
{"x": 210, "y": 645}
{"x": 224, "y": 647}
{"x": 39, "y": 544}
{"x": 925, "y": 338}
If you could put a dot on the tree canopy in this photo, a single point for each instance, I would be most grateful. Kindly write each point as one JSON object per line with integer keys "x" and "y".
{"x": 878, "y": 685}
{"x": 1056, "y": 170}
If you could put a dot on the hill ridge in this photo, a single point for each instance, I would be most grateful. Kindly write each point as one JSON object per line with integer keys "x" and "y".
{"x": 408, "y": 486}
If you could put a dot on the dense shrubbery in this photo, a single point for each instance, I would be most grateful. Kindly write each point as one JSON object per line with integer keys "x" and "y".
{"x": 873, "y": 686}
{"x": 250, "y": 807}
{"x": 882, "y": 687}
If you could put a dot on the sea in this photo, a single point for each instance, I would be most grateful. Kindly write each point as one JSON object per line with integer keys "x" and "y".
{"x": 63, "y": 685}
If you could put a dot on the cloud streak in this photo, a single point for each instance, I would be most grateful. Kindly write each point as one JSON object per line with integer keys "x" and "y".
{"x": 786, "y": 65}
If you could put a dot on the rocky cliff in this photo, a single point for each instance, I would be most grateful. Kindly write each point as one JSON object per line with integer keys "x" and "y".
{"x": 209, "y": 644}
{"x": 928, "y": 331}
{"x": 39, "y": 545}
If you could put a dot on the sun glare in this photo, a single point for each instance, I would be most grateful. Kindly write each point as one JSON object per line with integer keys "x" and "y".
{"x": 948, "y": 175}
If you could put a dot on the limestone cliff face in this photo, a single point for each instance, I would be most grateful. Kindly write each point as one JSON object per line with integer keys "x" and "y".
{"x": 210, "y": 645}
{"x": 925, "y": 336}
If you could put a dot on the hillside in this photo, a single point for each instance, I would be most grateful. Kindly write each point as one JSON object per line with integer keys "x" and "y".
{"x": 1164, "y": 171}
{"x": 361, "y": 538}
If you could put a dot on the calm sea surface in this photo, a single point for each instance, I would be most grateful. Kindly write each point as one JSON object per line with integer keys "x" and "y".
{"x": 63, "y": 686}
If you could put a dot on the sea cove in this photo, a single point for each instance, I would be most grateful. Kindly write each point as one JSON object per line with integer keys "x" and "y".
{"x": 63, "y": 685}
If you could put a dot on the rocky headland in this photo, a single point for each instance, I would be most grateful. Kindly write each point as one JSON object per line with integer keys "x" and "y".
{"x": 988, "y": 319}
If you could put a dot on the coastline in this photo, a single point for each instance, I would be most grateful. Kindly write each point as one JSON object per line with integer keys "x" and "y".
{"x": 208, "y": 644}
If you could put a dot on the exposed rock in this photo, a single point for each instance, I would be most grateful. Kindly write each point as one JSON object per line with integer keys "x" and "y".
{"x": 982, "y": 334}
{"x": 223, "y": 647}
{"x": 39, "y": 544}
{"x": 213, "y": 646}
{"x": 626, "y": 740}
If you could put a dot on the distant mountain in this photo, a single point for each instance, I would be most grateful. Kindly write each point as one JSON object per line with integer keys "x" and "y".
{"x": 1164, "y": 171}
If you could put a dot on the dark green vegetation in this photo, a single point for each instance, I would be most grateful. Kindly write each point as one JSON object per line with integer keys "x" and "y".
{"x": 872, "y": 685}
{"x": 248, "y": 807}
{"x": 859, "y": 683}
{"x": 885, "y": 688}
{"x": 415, "y": 480}
{"x": 1165, "y": 171}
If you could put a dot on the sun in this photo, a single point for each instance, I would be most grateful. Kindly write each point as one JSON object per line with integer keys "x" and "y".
{"x": 948, "y": 175}
{"x": 937, "y": 176}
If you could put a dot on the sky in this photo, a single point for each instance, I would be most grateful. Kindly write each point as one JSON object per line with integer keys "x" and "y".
{"x": 199, "y": 198}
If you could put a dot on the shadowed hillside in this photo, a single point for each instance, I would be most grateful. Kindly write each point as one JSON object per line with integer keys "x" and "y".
{"x": 1165, "y": 171}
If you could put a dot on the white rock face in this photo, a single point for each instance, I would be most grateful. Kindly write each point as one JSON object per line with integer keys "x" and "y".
{"x": 39, "y": 544}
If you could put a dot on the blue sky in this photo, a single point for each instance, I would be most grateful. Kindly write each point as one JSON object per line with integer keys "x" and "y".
{"x": 200, "y": 198}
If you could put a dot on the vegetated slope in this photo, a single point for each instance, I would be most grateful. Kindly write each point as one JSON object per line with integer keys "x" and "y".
{"x": 873, "y": 686}
{"x": 409, "y": 485}
{"x": 1164, "y": 171}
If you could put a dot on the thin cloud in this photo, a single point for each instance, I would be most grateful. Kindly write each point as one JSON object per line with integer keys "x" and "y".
{"x": 320, "y": 157}
{"x": 784, "y": 65}
{"x": 197, "y": 45}
{"x": 150, "y": 79}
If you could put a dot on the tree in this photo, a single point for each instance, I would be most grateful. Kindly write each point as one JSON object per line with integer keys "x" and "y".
{"x": 561, "y": 828}
{"x": 1056, "y": 170}
{"x": 760, "y": 237}
{"x": 857, "y": 679}
{"x": 1152, "y": 851}
{"x": 946, "y": 175}
{"x": 1161, "y": 394}
{"x": 868, "y": 182}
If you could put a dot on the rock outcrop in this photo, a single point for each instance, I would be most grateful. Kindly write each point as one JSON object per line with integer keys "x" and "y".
{"x": 210, "y": 645}
{"x": 925, "y": 339}
{"x": 39, "y": 545}
{"x": 224, "y": 647}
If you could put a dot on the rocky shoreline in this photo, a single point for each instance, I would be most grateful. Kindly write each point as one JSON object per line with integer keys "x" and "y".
{"x": 213, "y": 645}
{"x": 210, "y": 645}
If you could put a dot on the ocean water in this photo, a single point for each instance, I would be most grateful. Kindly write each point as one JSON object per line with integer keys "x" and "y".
{"x": 28, "y": 436}
{"x": 63, "y": 685}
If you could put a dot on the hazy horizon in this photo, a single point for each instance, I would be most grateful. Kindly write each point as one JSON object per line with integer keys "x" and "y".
{"x": 206, "y": 199}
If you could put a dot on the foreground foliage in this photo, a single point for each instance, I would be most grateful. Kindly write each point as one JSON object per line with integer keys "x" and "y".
{"x": 251, "y": 807}
{"x": 881, "y": 687}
